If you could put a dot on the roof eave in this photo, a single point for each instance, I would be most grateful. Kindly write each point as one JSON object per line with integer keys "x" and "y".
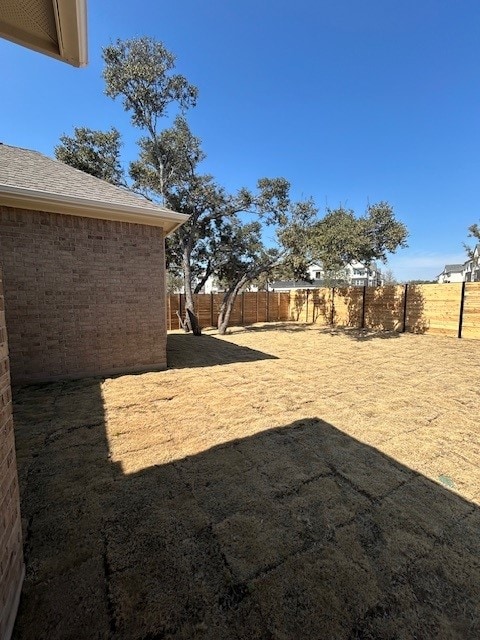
{"x": 68, "y": 205}
{"x": 71, "y": 25}
{"x": 71, "y": 20}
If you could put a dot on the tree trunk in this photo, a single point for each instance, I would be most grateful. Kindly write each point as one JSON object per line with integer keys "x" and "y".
{"x": 205, "y": 277}
{"x": 187, "y": 281}
{"x": 190, "y": 317}
{"x": 227, "y": 305}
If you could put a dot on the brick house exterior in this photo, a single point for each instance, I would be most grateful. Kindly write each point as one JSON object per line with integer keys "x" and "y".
{"x": 83, "y": 268}
{"x": 11, "y": 554}
{"x": 58, "y": 30}
{"x": 83, "y": 296}
{"x": 84, "y": 271}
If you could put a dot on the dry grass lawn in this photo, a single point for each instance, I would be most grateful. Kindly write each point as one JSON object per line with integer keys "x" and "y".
{"x": 278, "y": 483}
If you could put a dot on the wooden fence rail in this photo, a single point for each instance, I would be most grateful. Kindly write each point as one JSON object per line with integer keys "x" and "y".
{"x": 440, "y": 309}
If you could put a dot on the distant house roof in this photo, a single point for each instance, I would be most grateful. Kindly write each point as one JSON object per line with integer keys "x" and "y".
{"x": 295, "y": 284}
{"x": 58, "y": 29}
{"x": 30, "y": 180}
{"x": 453, "y": 268}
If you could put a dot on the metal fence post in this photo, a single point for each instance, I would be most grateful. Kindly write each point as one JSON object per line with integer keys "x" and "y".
{"x": 404, "y": 320}
{"x": 462, "y": 305}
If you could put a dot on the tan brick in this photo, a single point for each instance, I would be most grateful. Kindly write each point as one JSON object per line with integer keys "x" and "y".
{"x": 82, "y": 296}
{"x": 11, "y": 554}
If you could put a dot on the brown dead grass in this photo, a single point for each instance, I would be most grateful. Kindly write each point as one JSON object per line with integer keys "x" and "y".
{"x": 280, "y": 483}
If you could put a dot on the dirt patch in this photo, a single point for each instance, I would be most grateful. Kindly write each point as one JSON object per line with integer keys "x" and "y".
{"x": 276, "y": 483}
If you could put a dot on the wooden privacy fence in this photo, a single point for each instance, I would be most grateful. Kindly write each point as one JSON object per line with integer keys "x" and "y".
{"x": 249, "y": 307}
{"x": 441, "y": 309}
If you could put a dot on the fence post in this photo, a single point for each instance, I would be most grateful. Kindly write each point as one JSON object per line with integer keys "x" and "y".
{"x": 256, "y": 307}
{"x": 333, "y": 307}
{"x": 404, "y": 320}
{"x": 306, "y": 310}
{"x": 243, "y": 308}
{"x": 364, "y": 295}
{"x": 211, "y": 309}
{"x": 462, "y": 304}
{"x": 268, "y": 305}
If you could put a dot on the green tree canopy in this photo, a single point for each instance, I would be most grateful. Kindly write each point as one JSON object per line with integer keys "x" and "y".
{"x": 95, "y": 152}
{"x": 473, "y": 232}
{"x": 247, "y": 259}
{"x": 341, "y": 237}
{"x": 140, "y": 72}
{"x": 225, "y": 231}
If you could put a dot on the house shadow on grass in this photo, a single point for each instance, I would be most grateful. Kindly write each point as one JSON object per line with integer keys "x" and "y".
{"x": 184, "y": 350}
{"x": 299, "y": 531}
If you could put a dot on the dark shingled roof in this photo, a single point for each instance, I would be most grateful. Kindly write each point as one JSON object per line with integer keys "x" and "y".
{"x": 453, "y": 268}
{"x": 25, "y": 169}
{"x": 295, "y": 284}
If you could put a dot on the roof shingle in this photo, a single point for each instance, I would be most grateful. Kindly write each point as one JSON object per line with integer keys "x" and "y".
{"x": 27, "y": 169}
{"x": 453, "y": 268}
{"x": 28, "y": 179}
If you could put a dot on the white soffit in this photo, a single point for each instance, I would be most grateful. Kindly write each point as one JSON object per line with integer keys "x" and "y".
{"x": 57, "y": 28}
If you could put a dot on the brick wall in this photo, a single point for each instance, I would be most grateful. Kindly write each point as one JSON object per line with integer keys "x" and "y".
{"x": 11, "y": 555}
{"x": 83, "y": 296}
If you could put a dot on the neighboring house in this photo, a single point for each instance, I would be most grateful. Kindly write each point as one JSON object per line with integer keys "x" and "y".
{"x": 469, "y": 271}
{"x": 452, "y": 273}
{"x": 211, "y": 286}
{"x": 471, "y": 268}
{"x": 354, "y": 274}
{"x": 84, "y": 271}
{"x": 287, "y": 285}
{"x": 57, "y": 29}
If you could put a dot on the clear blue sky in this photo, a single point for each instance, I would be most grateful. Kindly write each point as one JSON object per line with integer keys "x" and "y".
{"x": 352, "y": 101}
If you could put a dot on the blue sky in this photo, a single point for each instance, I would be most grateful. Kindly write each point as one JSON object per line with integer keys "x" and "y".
{"x": 352, "y": 101}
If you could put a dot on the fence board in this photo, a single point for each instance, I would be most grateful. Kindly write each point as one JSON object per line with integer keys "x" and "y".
{"x": 348, "y": 303}
{"x": 321, "y": 308}
{"x": 431, "y": 308}
{"x": 283, "y": 306}
{"x": 384, "y": 308}
{"x": 298, "y": 310}
{"x": 471, "y": 311}
{"x": 249, "y": 307}
{"x": 172, "y": 307}
{"x": 203, "y": 309}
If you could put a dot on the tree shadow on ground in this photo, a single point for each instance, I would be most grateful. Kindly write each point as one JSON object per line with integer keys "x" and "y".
{"x": 299, "y": 531}
{"x": 360, "y": 335}
{"x": 289, "y": 327}
{"x": 189, "y": 351}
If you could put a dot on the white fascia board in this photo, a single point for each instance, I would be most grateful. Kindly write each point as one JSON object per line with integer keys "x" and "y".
{"x": 21, "y": 198}
{"x": 71, "y": 21}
